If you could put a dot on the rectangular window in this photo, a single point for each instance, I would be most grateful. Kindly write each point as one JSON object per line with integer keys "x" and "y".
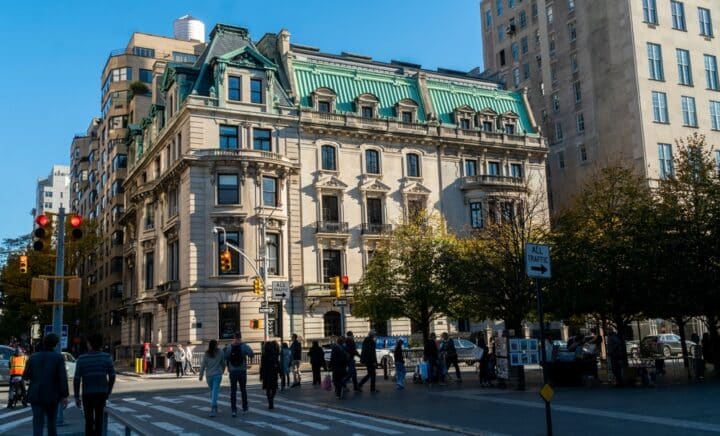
{"x": 144, "y": 52}
{"x": 256, "y": 90}
{"x": 511, "y": 4}
{"x": 413, "y": 165}
{"x": 149, "y": 216}
{"x": 523, "y": 19}
{"x": 524, "y": 45}
{"x": 374, "y": 211}
{"x": 465, "y": 123}
{"x": 717, "y": 161}
{"x": 688, "y": 111}
{"x": 578, "y": 92}
{"x": 650, "y": 11}
{"x": 372, "y": 161}
{"x": 228, "y": 137}
{"x": 711, "y": 73}
{"x": 556, "y": 103}
{"x": 186, "y": 58}
{"x": 501, "y": 33}
{"x": 145, "y": 76}
{"x": 574, "y": 62}
{"x": 331, "y": 265}
{"x": 705, "y": 22}
{"x": 228, "y": 190}
{"x": 561, "y": 160}
{"x": 660, "y": 111}
{"x": 515, "y": 49}
{"x": 149, "y": 271}
{"x": 655, "y": 61}
{"x": 172, "y": 202}
{"x": 487, "y": 126}
{"x": 324, "y": 106}
{"x": 684, "y": 70}
{"x": 366, "y": 111}
{"x": 580, "y": 122}
{"x": 228, "y": 320}
{"x": 516, "y": 170}
{"x": 470, "y": 167}
{"x": 558, "y": 131}
{"x": 550, "y": 15}
{"x": 476, "y": 215}
{"x": 494, "y": 168}
{"x": 516, "y": 77}
{"x": 173, "y": 260}
{"x": 582, "y": 153}
{"x": 715, "y": 115}
{"x": 273, "y": 254}
{"x": 509, "y": 128}
{"x": 572, "y": 31}
{"x": 48, "y": 194}
{"x": 666, "y": 161}
{"x": 678, "y": 15}
{"x": 233, "y": 238}
{"x": 571, "y": 5}
{"x": 119, "y": 161}
{"x": 270, "y": 194}
{"x": 234, "y": 88}
{"x": 526, "y": 72}
{"x": 406, "y": 116}
{"x": 488, "y": 19}
{"x": 261, "y": 140}
{"x": 330, "y": 209}
{"x": 499, "y": 7}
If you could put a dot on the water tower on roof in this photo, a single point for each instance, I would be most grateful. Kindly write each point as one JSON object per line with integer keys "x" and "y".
{"x": 189, "y": 28}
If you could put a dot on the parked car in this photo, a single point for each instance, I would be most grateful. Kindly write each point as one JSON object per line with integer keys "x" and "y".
{"x": 665, "y": 344}
{"x": 467, "y": 351}
{"x": 5, "y": 354}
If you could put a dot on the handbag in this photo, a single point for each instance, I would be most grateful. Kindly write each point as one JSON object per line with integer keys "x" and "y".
{"x": 424, "y": 370}
{"x": 327, "y": 382}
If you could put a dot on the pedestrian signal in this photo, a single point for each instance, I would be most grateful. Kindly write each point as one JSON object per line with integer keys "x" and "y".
{"x": 345, "y": 282}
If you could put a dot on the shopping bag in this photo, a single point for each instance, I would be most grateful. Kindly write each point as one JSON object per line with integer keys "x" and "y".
{"x": 327, "y": 382}
{"x": 424, "y": 370}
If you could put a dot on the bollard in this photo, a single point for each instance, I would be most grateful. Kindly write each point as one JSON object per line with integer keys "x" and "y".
{"x": 138, "y": 365}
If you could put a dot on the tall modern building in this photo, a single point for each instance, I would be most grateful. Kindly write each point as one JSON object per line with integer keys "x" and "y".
{"x": 99, "y": 161}
{"x": 53, "y": 191}
{"x": 308, "y": 160}
{"x": 616, "y": 81}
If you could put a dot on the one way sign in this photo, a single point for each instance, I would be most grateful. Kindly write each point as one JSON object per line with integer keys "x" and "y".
{"x": 537, "y": 261}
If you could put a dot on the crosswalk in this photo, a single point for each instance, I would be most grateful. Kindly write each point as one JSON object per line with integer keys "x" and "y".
{"x": 184, "y": 413}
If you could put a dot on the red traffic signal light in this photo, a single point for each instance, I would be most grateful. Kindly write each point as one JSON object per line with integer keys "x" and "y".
{"x": 43, "y": 233}
{"x": 42, "y": 220}
{"x": 75, "y": 222}
{"x": 346, "y": 282}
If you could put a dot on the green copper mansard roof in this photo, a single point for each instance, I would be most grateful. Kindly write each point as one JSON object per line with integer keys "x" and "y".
{"x": 349, "y": 83}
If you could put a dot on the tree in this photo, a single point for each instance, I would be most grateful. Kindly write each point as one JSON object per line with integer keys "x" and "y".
{"x": 602, "y": 249}
{"x": 409, "y": 276}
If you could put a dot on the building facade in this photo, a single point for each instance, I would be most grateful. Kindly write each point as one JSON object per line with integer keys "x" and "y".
{"x": 53, "y": 191}
{"x": 323, "y": 155}
{"x": 99, "y": 162}
{"x": 614, "y": 82}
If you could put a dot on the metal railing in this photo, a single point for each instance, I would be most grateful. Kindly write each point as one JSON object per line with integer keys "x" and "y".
{"x": 493, "y": 179}
{"x": 331, "y": 227}
{"x": 376, "y": 229}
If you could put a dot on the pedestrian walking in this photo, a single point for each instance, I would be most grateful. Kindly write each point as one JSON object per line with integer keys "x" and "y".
{"x": 484, "y": 364}
{"x": 430, "y": 355}
{"x": 236, "y": 359}
{"x": 451, "y": 356}
{"x": 296, "y": 349}
{"x": 707, "y": 348}
{"x": 170, "y": 355}
{"x": 213, "y": 366}
{"x": 48, "y": 385}
{"x": 351, "y": 350}
{"x": 317, "y": 361}
{"x": 188, "y": 362}
{"x": 148, "y": 361}
{"x": 338, "y": 364}
{"x": 369, "y": 359}
{"x": 95, "y": 374}
{"x": 269, "y": 370}
{"x": 180, "y": 361}
{"x": 615, "y": 352}
{"x": 400, "y": 369}
{"x": 285, "y": 362}
{"x": 697, "y": 357}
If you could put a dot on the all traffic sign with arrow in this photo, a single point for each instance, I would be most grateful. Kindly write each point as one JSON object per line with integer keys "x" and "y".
{"x": 280, "y": 290}
{"x": 537, "y": 261}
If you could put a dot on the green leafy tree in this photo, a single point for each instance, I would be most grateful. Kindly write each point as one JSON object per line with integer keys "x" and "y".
{"x": 409, "y": 276}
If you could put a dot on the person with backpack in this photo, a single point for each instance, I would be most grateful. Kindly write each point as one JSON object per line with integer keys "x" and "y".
{"x": 296, "y": 349}
{"x": 236, "y": 357}
{"x": 269, "y": 369}
{"x": 213, "y": 364}
{"x": 285, "y": 360}
{"x": 317, "y": 361}
{"x": 338, "y": 363}
{"x": 369, "y": 359}
{"x": 451, "y": 356}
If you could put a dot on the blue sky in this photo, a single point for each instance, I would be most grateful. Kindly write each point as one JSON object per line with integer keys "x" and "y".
{"x": 55, "y": 50}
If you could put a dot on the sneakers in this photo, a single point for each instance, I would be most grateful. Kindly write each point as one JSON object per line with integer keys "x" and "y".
{"x": 213, "y": 412}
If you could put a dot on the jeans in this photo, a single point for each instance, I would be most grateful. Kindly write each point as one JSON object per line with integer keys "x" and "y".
{"x": 370, "y": 375}
{"x": 238, "y": 377}
{"x": 400, "y": 372}
{"x": 93, "y": 407}
{"x": 179, "y": 369}
{"x": 40, "y": 411}
{"x": 296, "y": 371}
{"x": 351, "y": 374}
{"x": 213, "y": 383}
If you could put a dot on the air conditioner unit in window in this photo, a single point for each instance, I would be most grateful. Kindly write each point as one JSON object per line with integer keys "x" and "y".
{"x": 510, "y": 29}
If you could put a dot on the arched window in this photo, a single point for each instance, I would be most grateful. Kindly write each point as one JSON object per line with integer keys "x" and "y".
{"x": 332, "y": 323}
{"x": 328, "y": 158}
{"x": 413, "y": 165}
{"x": 372, "y": 162}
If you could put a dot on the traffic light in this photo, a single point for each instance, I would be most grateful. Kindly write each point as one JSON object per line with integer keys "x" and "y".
{"x": 23, "y": 264}
{"x": 43, "y": 233}
{"x": 256, "y": 324}
{"x": 345, "y": 282}
{"x": 38, "y": 289}
{"x": 257, "y": 286}
{"x": 74, "y": 287}
{"x": 336, "y": 286}
{"x": 74, "y": 223}
{"x": 225, "y": 261}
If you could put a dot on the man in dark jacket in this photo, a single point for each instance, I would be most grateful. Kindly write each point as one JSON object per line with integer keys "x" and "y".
{"x": 96, "y": 371}
{"x": 369, "y": 359}
{"x": 296, "y": 350}
{"x": 430, "y": 355}
{"x": 451, "y": 355}
{"x": 48, "y": 385}
{"x": 338, "y": 362}
{"x": 351, "y": 349}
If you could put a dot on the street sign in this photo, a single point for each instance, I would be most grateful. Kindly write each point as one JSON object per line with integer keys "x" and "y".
{"x": 342, "y": 302}
{"x": 269, "y": 310}
{"x": 547, "y": 393}
{"x": 281, "y": 290}
{"x": 537, "y": 261}
{"x": 63, "y": 338}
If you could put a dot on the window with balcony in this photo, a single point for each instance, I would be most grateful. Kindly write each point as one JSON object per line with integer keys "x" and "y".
{"x": 406, "y": 117}
{"x": 331, "y": 265}
{"x": 234, "y": 88}
{"x": 256, "y": 90}
{"x": 487, "y": 126}
{"x": 324, "y": 106}
{"x": 228, "y": 137}
{"x": 494, "y": 168}
{"x": 328, "y": 158}
{"x": 476, "y": 215}
{"x": 372, "y": 162}
{"x": 465, "y": 123}
{"x": 509, "y": 128}
{"x": 149, "y": 216}
{"x": 228, "y": 189}
{"x": 374, "y": 211}
{"x": 470, "y": 167}
{"x": 367, "y": 112}
{"x": 412, "y": 165}
{"x": 234, "y": 238}
{"x": 269, "y": 191}
{"x": 261, "y": 140}
{"x": 172, "y": 197}
{"x": 516, "y": 170}
{"x": 273, "y": 253}
{"x": 416, "y": 207}
{"x": 330, "y": 208}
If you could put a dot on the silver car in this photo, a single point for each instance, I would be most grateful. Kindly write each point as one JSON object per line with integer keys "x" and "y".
{"x": 5, "y": 354}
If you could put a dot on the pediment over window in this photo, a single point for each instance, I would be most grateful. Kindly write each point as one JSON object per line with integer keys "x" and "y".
{"x": 488, "y": 112}
{"x": 510, "y": 115}
{"x": 227, "y": 220}
{"x": 375, "y": 185}
{"x": 330, "y": 182}
{"x": 247, "y": 57}
{"x": 415, "y": 188}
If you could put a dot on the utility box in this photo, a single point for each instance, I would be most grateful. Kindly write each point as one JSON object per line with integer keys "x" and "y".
{"x": 38, "y": 290}
{"x": 74, "y": 286}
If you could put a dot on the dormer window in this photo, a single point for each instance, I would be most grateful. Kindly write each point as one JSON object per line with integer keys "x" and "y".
{"x": 487, "y": 119}
{"x": 465, "y": 123}
{"x": 509, "y": 122}
{"x": 367, "y": 106}
{"x": 509, "y": 128}
{"x": 324, "y": 106}
{"x": 367, "y": 112}
{"x": 256, "y": 91}
{"x": 406, "y": 110}
{"x": 323, "y": 100}
{"x": 463, "y": 116}
{"x": 406, "y": 116}
{"x": 487, "y": 126}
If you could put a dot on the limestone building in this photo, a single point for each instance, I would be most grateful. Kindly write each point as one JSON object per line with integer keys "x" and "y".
{"x": 610, "y": 82}
{"x": 323, "y": 153}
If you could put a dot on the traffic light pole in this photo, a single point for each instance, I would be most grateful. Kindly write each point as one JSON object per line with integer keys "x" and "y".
{"x": 264, "y": 259}
{"x": 543, "y": 357}
{"x": 57, "y": 318}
